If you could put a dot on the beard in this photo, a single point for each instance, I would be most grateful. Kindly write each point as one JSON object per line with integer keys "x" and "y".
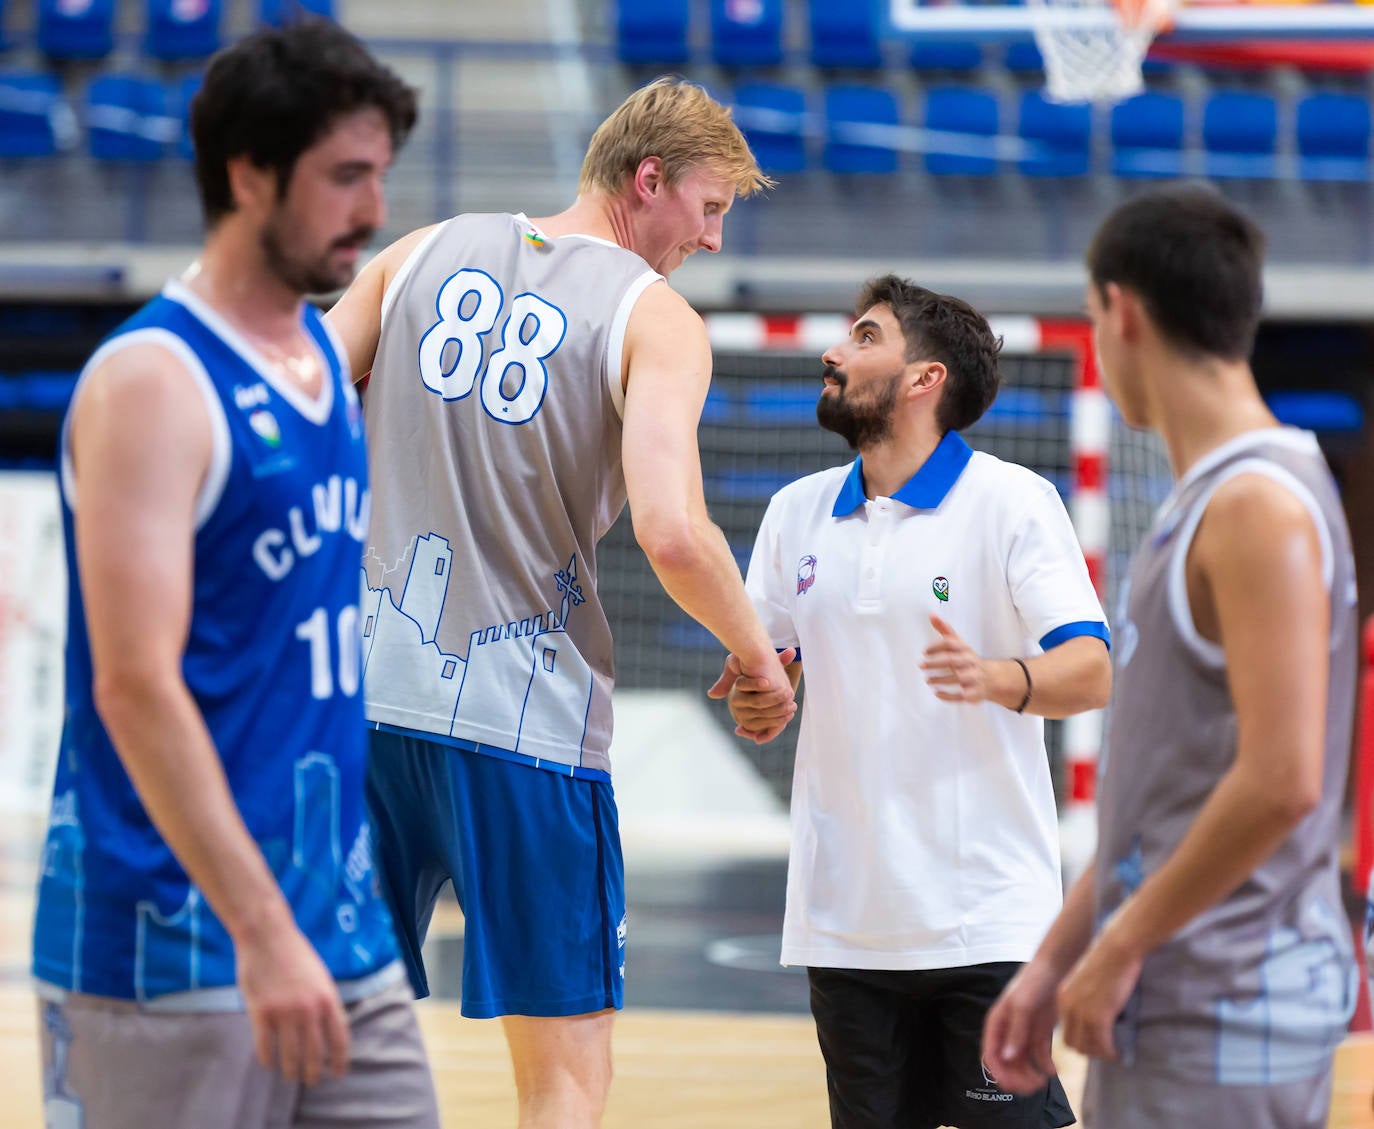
{"x": 308, "y": 276}
{"x": 860, "y": 422}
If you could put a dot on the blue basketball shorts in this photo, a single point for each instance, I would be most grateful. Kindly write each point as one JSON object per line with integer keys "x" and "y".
{"x": 534, "y": 857}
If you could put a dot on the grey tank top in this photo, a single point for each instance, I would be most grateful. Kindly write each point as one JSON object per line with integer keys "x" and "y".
{"x": 493, "y": 419}
{"x": 1259, "y": 988}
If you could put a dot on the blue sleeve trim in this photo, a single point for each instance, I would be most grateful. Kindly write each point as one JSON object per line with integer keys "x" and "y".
{"x": 1090, "y": 627}
{"x": 797, "y": 649}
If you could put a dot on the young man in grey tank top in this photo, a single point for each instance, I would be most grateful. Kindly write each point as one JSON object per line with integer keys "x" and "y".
{"x": 1205, "y": 965}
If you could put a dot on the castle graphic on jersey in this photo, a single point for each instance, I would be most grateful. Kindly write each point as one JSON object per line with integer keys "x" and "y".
{"x": 1287, "y": 1030}
{"x": 523, "y": 678}
{"x": 171, "y": 943}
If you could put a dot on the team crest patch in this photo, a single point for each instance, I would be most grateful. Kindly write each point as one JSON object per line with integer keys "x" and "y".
{"x": 265, "y": 424}
{"x": 806, "y": 574}
{"x": 940, "y": 586}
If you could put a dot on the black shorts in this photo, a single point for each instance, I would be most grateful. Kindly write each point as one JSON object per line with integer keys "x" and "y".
{"x": 903, "y": 1051}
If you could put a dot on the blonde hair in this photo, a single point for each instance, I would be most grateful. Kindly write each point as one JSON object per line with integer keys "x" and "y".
{"x": 682, "y": 125}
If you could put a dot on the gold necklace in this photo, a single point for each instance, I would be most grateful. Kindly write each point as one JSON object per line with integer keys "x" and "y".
{"x": 303, "y": 370}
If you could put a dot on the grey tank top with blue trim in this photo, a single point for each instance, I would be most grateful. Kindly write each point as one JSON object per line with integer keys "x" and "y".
{"x": 1258, "y": 989}
{"x": 493, "y": 419}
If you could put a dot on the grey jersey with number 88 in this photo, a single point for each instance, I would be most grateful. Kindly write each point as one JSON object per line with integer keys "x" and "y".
{"x": 493, "y": 419}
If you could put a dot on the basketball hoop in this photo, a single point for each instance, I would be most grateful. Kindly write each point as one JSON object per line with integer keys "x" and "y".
{"x": 1093, "y": 48}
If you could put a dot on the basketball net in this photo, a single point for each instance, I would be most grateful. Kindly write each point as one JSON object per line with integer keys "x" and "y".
{"x": 1093, "y": 48}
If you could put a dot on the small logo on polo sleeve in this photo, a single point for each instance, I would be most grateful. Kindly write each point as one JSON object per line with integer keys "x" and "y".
{"x": 806, "y": 574}
{"x": 940, "y": 586}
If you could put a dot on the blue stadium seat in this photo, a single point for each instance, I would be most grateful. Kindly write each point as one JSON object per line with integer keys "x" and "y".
{"x": 1317, "y": 410}
{"x": 45, "y": 391}
{"x": 31, "y": 108}
{"x": 746, "y": 33}
{"x": 76, "y": 29}
{"x": 180, "y": 106}
{"x": 1240, "y": 133}
{"x": 127, "y": 119}
{"x": 1023, "y": 57}
{"x": 1025, "y": 409}
{"x": 772, "y": 118}
{"x": 844, "y": 33}
{"x": 719, "y": 409}
{"x": 961, "y": 110}
{"x": 278, "y": 12}
{"x": 847, "y": 110}
{"x": 1333, "y": 137}
{"x": 951, "y": 56}
{"x": 1147, "y": 136}
{"x": 1065, "y": 132}
{"x": 651, "y": 31}
{"x": 773, "y": 404}
{"x": 750, "y": 485}
{"x": 181, "y": 30}
{"x": 687, "y": 634}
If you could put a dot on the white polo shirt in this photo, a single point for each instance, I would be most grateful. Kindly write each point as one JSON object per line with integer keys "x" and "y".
{"x": 924, "y": 833}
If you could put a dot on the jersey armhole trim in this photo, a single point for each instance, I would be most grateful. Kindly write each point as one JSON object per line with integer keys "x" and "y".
{"x": 346, "y": 381}
{"x": 1208, "y": 653}
{"x": 393, "y": 288}
{"x": 217, "y": 474}
{"x": 615, "y": 346}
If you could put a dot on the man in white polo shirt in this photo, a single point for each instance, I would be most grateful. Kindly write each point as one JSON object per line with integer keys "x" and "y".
{"x": 941, "y": 606}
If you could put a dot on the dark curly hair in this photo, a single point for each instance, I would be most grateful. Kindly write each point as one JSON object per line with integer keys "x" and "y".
{"x": 937, "y": 327}
{"x": 275, "y": 93}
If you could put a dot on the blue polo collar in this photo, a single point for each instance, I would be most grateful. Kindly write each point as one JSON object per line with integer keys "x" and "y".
{"x": 924, "y": 490}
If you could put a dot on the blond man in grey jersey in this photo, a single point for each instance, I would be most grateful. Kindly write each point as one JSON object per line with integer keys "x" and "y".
{"x": 1205, "y": 963}
{"x": 528, "y": 376}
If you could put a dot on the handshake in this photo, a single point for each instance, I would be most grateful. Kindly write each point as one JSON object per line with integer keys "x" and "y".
{"x": 760, "y": 703}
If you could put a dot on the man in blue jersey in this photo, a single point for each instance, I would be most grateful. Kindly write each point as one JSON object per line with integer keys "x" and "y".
{"x": 528, "y": 377}
{"x": 211, "y": 947}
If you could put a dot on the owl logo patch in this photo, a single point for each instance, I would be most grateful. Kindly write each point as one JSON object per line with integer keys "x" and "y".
{"x": 940, "y": 586}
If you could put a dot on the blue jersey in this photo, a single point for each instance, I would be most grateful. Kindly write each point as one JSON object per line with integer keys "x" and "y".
{"x": 273, "y": 661}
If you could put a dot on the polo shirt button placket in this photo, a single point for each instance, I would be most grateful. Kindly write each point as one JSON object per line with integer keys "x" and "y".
{"x": 870, "y": 587}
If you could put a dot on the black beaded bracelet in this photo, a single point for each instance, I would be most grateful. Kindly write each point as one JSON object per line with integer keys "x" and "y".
{"x": 1029, "y": 688}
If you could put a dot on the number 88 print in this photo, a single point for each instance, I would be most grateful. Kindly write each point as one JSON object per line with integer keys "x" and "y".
{"x": 531, "y": 334}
